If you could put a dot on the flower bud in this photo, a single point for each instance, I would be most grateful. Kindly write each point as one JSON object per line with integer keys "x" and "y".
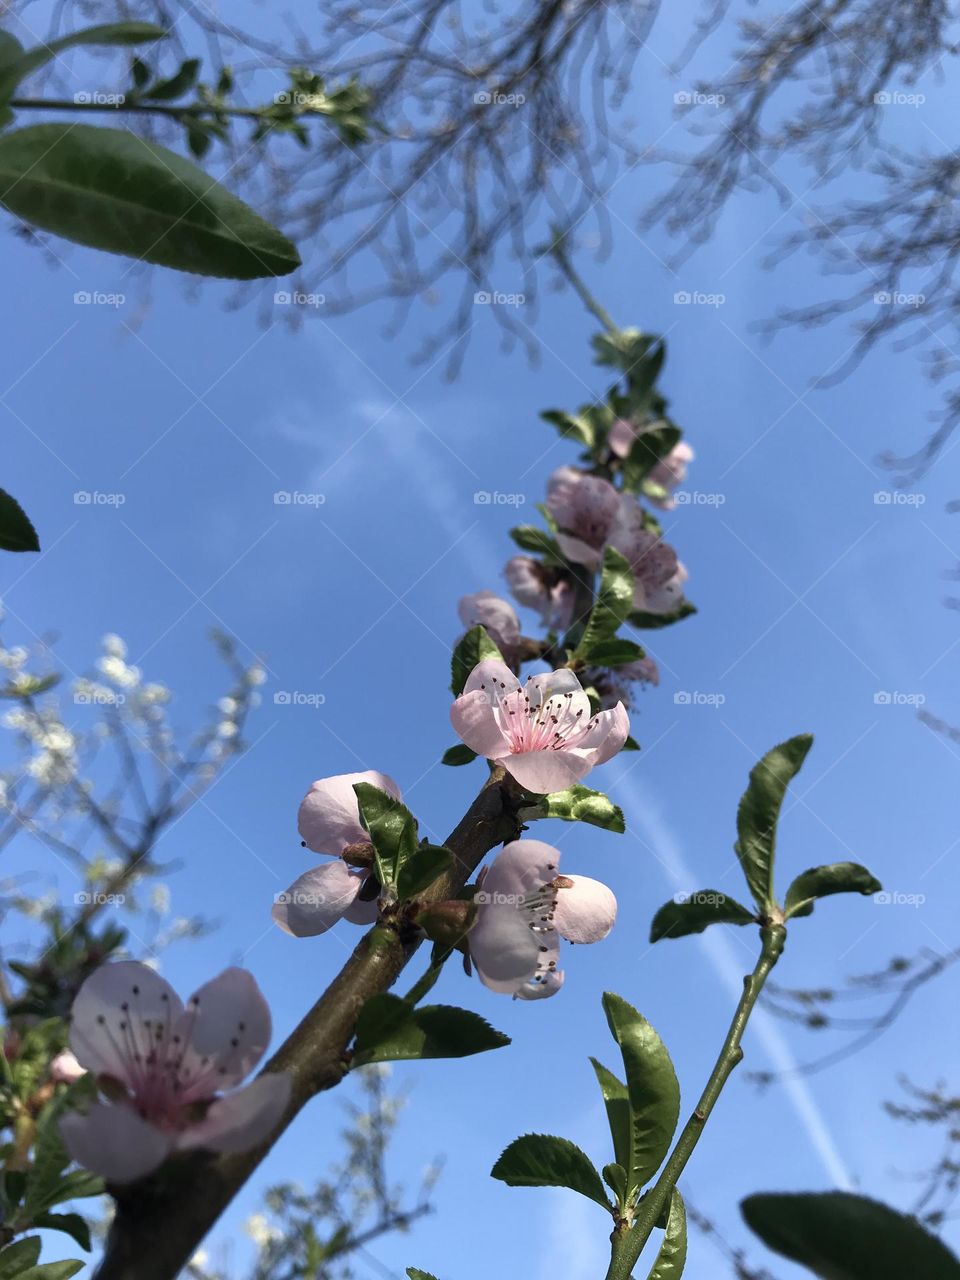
{"x": 446, "y": 922}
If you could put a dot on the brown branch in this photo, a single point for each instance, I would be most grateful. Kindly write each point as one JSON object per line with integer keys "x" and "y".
{"x": 161, "y": 1220}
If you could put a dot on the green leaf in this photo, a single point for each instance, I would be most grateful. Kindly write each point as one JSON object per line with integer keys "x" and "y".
{"x": 13, "y": 70}
{"x": 821, "y": 882}
{"x": 759, "y": 812}
{"x": 177, "y": 85}
{"x": 392, "y": 828}
{"x": 652, "y": 1089}
{"x": 623, "y": 349}
{"x": 421, "y": 869}
{"x": 840, "y": 1236}
{"x": 571, "y": 426}
{"x": 414, "y": 1273}
{"x": 53, "y": 1270}
{"x": 616, "y": 652}
{"x": 460, "y": 754}
{"x": 113, "y": 190}
{"x": 645, "y": 452}
{"x": 531, "y": 538}
{"x": 470, "y": 650}
{"x": 613, "y": 604}
{"x": 615, "y": 1176}
{"x": 617, "y": 1105}
{"x": 537, "y": 1160}
{"x": 656, "y": 621}
{"x": 577, "y": 804}
{"x": 71, "y": 1223}
{"x": 393, "y": 1031}
{"x": 17, "y": 1257}
{"x": 673, "y": 1252}
{"x": 631, "y": 744}
{"x": 696, "y": 912}
{"x": 16, "y": 531}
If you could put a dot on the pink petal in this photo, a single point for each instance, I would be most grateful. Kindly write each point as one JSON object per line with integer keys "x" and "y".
{"x": 362, "y": 912}
{"x": 114, "y": 1142}
{"x": 546, "y": 771}
{"x": 243, "y": 1119}
{"x": 128, "y": 992}
{"x": 621, "y": 437}
{"x": 503, "y": 947}
{"x": 521, "y": 867}
{"x": 317, "y": 899}
{"x": 329, "y": 818}
{"x": 475, "y": 722}
{"x": 225, "y": 1031}
{"x": 494, "y": 613}
{"x": 578, "y": 551}
{"x": 585, "y": 912}
{"x": 547, "y": 984}
{"x": 608, "y": 732}
{"x": 495, "y": 679}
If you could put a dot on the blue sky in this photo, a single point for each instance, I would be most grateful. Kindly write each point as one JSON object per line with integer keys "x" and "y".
{"x": 813, "y": 599}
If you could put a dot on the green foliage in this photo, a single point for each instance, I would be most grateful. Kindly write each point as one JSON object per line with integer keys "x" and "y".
{"x": 645, "y": 452}
{"x": 460, "y": 754}
{"x": 16, "y": 531}
{"x": 759, "y": 813}
{"x": 529, "y": 537}
{"x": 653, "y": 1094}
{"x": 537, "y": 1160}
{"x": 389, "y": 1029}
{"x": 392, "y": 828}
{"x": 612, "y": 607}
{"x": 114, "y": 190}
{"x": 15, "y": 67}
{"x": 577, "y": 804}
{"x": 616, "y": 652}
{"x": 644, "y": 621}
{"x": 673, "y": 1251}
{"x": 470, "y": 650}
{"x": 840, "y": 1236}
{"x": 700, "y": 909}
{"x": 422, "y": 868}
{"x": 821, "y": 882}
{"x": 414, "y": 1273}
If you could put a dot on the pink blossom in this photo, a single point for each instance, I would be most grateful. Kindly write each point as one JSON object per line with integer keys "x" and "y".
{"x": 658, "y": 574}
{"x": 164, "y": 1066}
{"x": 539, "y": 587}
{"x": 488, "y": 610}
{"x": 669, "y": 472}
{"x": 329, "y": 821}
{"x": 524, "y": 908}
{"x": 65, "y": 1069}
{"x": 541, "y": 732}
{"x": 584, "y": 508}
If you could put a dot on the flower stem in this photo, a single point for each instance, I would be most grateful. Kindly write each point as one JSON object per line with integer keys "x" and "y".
{"x": 558, "y": 251}
{"x": 191, "y": 110}
{"x": 628, "y": 1243}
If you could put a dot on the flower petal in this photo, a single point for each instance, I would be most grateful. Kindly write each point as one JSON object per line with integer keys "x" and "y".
{"x": 475, "y": 722}
{"x": 493, "y": 612}
{"x": 243, "y": 1119}
{"x": 585, "y": 911}
{"x": 503, "y": 947}
{"x": 124, "y": 1008}
{"x": 225, "y": 1031}
{"x": 114, "y": 1142}
{"x": 494, "y": 677}
{"x": 521, "y": 867}
{"x": 578, "y": 551}
{"x": 546, "y": 771}
{"x": 317, "y": 899}
{"x": 329, "y": 818}
{"x": 608, "y": 731}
